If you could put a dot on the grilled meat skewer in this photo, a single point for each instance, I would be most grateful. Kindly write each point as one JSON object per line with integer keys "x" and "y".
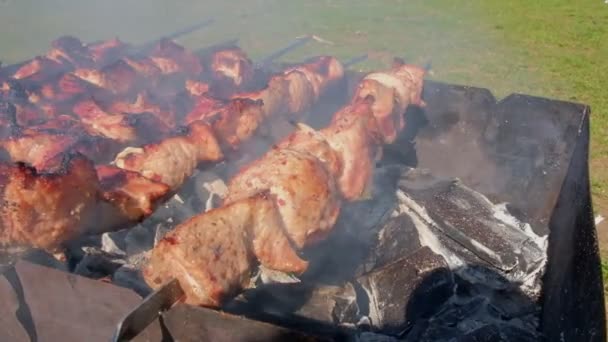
{"x": 140, "y": 178}
{"x": 306, "y": 179}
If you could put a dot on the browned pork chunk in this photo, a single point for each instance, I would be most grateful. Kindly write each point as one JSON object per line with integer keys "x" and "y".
{"x": 213, "y": 254}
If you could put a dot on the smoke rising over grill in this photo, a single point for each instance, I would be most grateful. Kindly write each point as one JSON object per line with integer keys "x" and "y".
{"x": 444, "y": 209}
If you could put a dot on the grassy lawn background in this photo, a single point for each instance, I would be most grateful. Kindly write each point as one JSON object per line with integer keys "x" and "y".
{"x": 551, "y": 48}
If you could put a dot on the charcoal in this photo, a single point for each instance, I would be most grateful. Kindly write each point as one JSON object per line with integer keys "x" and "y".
{"x": 174, "y": 210}
{"x": 114, "y": 242}
{"x": 406, "y": 290}
{"x": 139, "y": 239}
{"x": 470, "y": 220}
{"x": 499, "y": 333}
{"x": 324, "y": 303}
{"x": 129, "y": 277}
{"x": 367, "y": 336}
{"x": 397, "y": 238}
{"x": 97, "y": 264}
{"x": 508, "y": 305}
{"x": 437, "y": 333}
{"x": 356, "y": 231}
{"x": 160, "y": 230}
{"x": 452, "y": 315}
{"x": 487, "y": 333}
{"x": 515, "y": 334}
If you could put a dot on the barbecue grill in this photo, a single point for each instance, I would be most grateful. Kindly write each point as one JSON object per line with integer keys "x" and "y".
{"x": 480, "y": 228}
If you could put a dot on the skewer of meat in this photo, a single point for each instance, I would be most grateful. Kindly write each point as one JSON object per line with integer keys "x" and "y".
{"x": 140, "y": 178}
{"x": 119, "y": 122}
{"x": 306, "y": 177}
{"x": 170, "y": 161}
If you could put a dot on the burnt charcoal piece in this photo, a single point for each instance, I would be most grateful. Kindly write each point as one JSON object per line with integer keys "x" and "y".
{"x": 397, "y": 238}
{"x": 174, "y": 211}
{"x": 97, "y": 264}
{"x": 372, "y": 337}
{"x": 131, "y": 278}
{"x": 471, "y": 221}
{"x": 487, "y": 333}
{"x": 452, "y": 315}
{"x": 324, "y": 303}
{"x": 406, "y": 290}
{"x": 499, "y": 333}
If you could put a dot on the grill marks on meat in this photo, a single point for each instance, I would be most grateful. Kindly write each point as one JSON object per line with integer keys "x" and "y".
{"x": 45, "y": 209}
{"x": 213, "y": 255}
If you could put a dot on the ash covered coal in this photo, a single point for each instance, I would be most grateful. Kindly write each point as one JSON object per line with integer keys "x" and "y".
{"x": 428, "y": 259}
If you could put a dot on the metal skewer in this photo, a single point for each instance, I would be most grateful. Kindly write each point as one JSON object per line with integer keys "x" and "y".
{"x": 266, "y": 61}
{"x": 148, "y": 310}
{"x": 354, "y": 60}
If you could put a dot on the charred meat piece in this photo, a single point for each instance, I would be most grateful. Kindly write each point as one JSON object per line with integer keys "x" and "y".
{"x": 233, "y": 121}
{"x": 46, "y": 209}
{"x": 230, "y": 69}
{"x": 301, "y": 92}
{"x": 144, "y": 66}
{"x": 197, "y": 88}
{"x": 143, "y": 104}
{"x": 181, "y": 59}
{"x": 212, "y": 254}
{"x": 39, "y": 69}
{"x": 172, "y": 160}
{"x": 107, "y": 51}
{"x": 129, "y": 197}
{"x": 321, "y": 72}
{"x": 304, "y": 191}
{"x": 308, "y": 140}
{"x": 70, "y": 49}
{"x": 37, "y": 147}
{"x": 351, "y": 134}
{"x": 123, "y": 128}
{"x": 118, "y": 77}
{"x": 13, "y": 90}
{"x": 393, "y": 91}
{"x": 275, "y": 96}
